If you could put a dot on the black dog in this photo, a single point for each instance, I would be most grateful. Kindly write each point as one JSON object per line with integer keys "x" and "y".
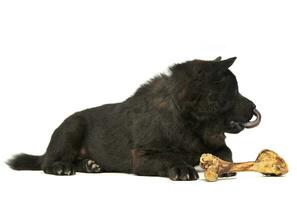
{"x": 161, "y": 130}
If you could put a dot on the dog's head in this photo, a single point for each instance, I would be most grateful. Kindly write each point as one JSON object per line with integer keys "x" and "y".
{"x": 209, "y": 90}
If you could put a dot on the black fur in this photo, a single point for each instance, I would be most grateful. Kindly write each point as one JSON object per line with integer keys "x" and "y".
{"x": 159, "y": 131}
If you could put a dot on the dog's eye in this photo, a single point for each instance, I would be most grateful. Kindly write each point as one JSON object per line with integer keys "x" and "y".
{"x": 217, "y": 82}
{"x": 216, "y": 78}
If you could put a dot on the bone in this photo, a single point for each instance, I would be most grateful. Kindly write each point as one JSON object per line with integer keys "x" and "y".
{"x": 268, "y": 163}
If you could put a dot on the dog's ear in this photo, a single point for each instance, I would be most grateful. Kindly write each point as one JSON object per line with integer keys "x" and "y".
{"x": 218, "y": 59}
{"x": 225, "y": 64}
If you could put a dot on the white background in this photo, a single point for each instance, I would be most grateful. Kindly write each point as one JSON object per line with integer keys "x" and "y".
{"x": 58, "y": 57}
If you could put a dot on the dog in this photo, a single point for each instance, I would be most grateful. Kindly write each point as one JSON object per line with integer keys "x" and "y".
{"x": 161, "y": 130}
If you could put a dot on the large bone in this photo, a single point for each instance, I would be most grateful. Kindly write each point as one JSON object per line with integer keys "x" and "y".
{"x": 267, "y": 163}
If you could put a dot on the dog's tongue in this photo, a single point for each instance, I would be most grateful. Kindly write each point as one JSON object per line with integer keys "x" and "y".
{"x": 256, "y": 122}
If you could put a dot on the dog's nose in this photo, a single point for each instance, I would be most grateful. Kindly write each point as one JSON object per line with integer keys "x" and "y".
{"x": 253, "y": 106}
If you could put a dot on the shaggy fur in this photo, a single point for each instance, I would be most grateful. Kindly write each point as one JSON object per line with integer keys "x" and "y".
{"x": 159, "y": 131}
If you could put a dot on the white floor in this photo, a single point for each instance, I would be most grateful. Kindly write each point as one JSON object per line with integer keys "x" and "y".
{"x": 36, "y": 185}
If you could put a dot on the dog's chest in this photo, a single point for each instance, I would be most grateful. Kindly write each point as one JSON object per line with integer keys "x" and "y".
{"x": 203, "y": 144}
{"x": 214, "y": 140}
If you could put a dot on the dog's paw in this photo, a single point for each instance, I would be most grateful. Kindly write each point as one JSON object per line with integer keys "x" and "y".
{"x": 183, "y": 173}
{"x": 60, "y": 168}
{"x": 91, "y": 166}
{"x": 225, "y": 175}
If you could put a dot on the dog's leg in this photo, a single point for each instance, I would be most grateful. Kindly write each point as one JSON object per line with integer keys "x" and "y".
{"x": 64, "y": 147}
{"x": 165, "y": 164}
{"x": 225, "y": 153}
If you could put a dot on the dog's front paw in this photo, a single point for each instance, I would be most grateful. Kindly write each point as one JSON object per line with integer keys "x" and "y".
{"x": 60, "y": 168}
{"x": 183, "y": 173}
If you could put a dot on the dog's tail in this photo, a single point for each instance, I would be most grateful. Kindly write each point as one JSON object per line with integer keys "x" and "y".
{"x": 25, "y": 162}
